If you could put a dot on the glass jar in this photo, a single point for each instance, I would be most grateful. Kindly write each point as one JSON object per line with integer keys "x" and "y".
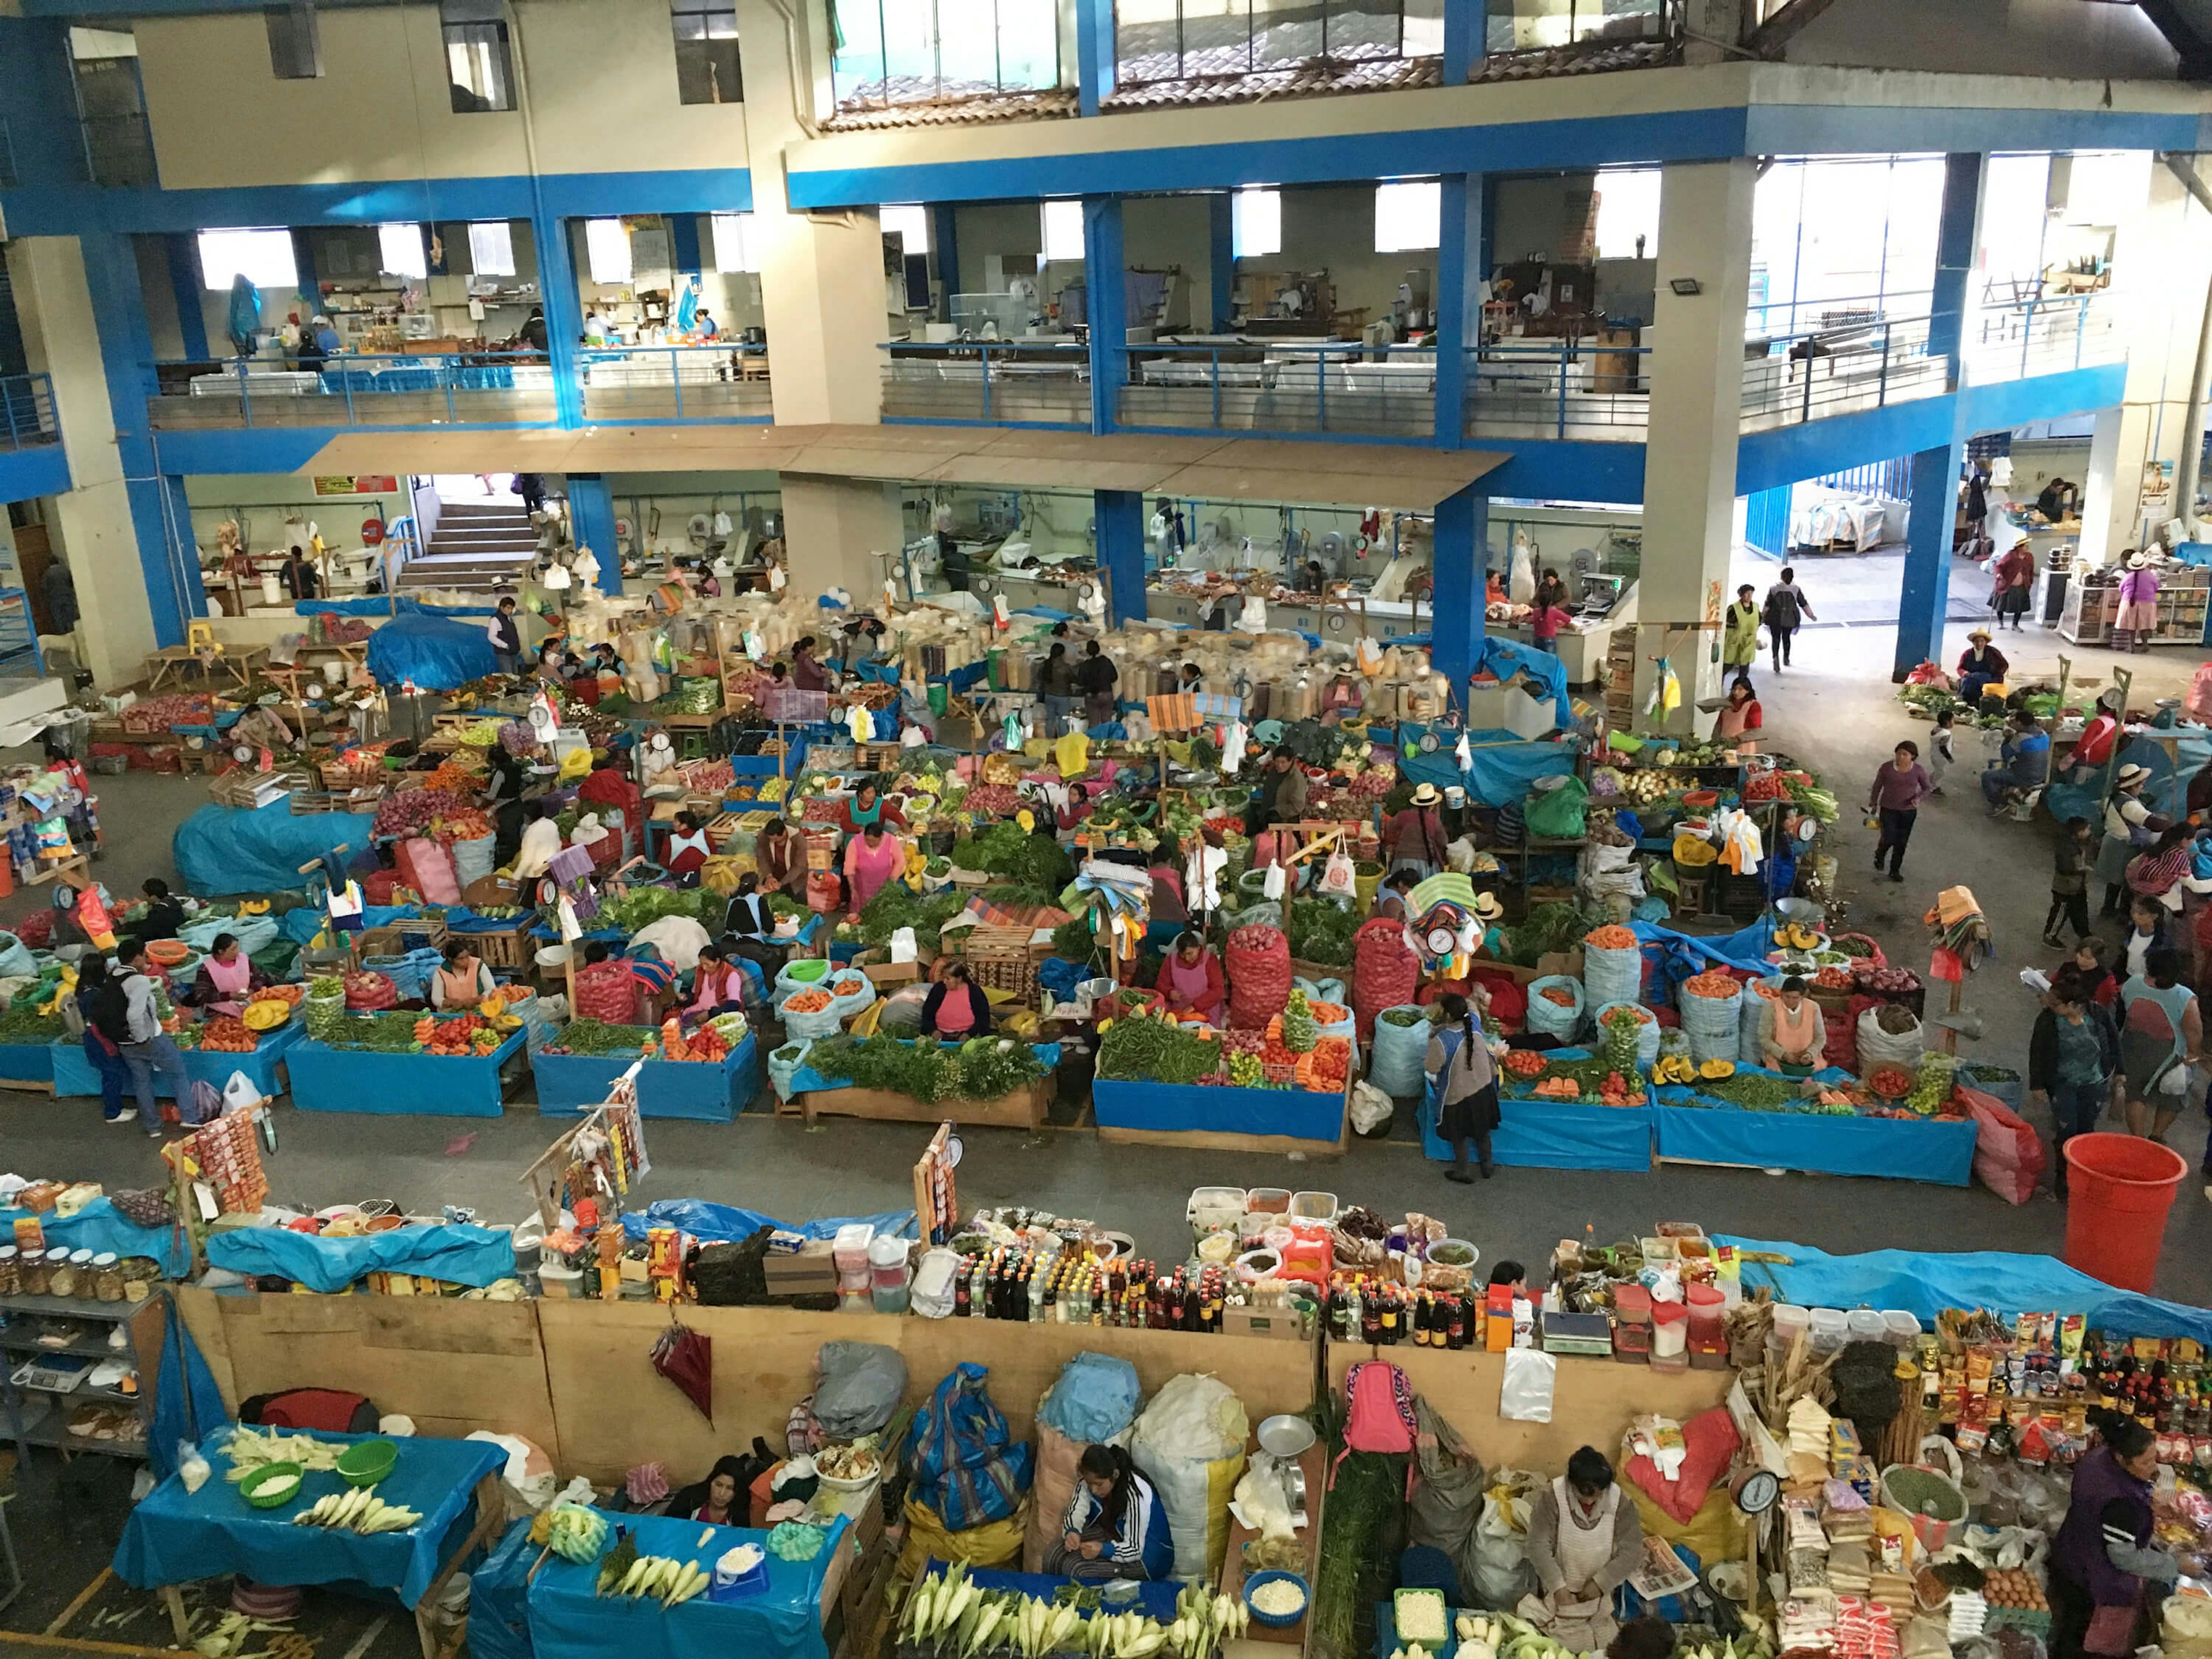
{"x": 140, "y": 1273}
{"x": 11, "y": 1271}
{"x": 106, "y": 1277}
{"x": 61, "y": 1275}
{"x": 36, "y": 1275}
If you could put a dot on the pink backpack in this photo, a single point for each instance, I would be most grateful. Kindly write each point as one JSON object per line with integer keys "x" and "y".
{"x": 1378, "y": 1410}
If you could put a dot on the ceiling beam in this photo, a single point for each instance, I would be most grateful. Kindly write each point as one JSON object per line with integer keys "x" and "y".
{"x": 1769, "y": 38}
{"x": 2181, "y": 33}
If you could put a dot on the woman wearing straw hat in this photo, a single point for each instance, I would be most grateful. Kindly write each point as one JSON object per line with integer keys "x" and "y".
{"x": 1981, "y": 664}
{"x": 2138, "y": 614}
{"x": 1414, "y": 838}
{"x": 2131, "y": 827}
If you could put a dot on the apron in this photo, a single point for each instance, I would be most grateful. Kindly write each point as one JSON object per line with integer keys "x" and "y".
{"x": 1187, "y": 985}
{"x": 233, "y": 980}
{"x": 1582, "y": 1552}
{"x": 1808, "y": 1029}
{"x": 461, "y": 989}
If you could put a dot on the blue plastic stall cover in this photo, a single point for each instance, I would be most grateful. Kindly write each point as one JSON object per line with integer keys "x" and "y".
{"x": 725, "y": 1223}
{"x": 75, "y": 1074}
{"x": 1925, "y": 1282}
{"x": 1505, "y": 657}
{"x": 382, "y": 607}
{"x": 175, "y": 1536}
{"x": 328, "y": 1079}
{"x": 222, "y": 850}
{"x": 26, "y": 1062}
{"x": 303, "y": 923}
{"x": 101, "y": 1226}
{"x": 498, "y": 1592}
{"x": 570, "y": 1619}
{"x": 2170, "y": 761}
{"x": 1939, "y": 1153}
{"x": 435, "y": 653}
{"x": 475, "y": 1256}
{"x": 1502, "y": 773}
{"x": 1296, "y": 1114}
{"x": 187, "y": 1403}
{"x": 1554, "y": 1134}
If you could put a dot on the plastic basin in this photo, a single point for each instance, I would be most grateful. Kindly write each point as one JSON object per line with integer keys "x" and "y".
{"x": 1277, "y": 1620}
{"x": 271, "y": 1485}
{"x": 2118, "y": 1191}
{"x": 367, "y": 1461}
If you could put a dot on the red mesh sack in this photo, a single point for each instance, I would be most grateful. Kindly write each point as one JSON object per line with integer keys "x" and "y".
{"x": 1843, "y": 1045}
{"x": 2009, "y": 1155}
{"x": 1385, "y": 972}
{"x": 36, "y": 929}
{"x": 825, "y": 893}
{"x": 378, "y": 886}
{"x": 1259, "y": 962}
{"x": 607, "y": 991}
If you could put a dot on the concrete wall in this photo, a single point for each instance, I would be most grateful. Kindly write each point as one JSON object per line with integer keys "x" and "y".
{"x": 676, "y": 496}
{"x": 1989, "y": 37}
{"x": 601, "y": 76}
{"x": 1160, "y": 232}
{"x": 261, "y": 503}
{"x": 1332, "y": 228}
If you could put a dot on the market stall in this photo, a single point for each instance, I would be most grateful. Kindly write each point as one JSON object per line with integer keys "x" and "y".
{"x": 265, "y": 1065}
{"x": 703, "y": 1077}
{"x": 407, "y": 1064}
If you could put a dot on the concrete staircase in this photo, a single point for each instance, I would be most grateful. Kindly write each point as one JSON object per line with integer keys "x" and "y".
{"x": 476, "y": 546}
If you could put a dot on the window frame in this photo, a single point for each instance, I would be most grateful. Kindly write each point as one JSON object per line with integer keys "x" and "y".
{"x": 295, "y": 36}
{"x": 473, "y": 32}
{"x": 879, "y": 75}
{"x": 1254, "y": 15}
{"x": 706, "y": 12}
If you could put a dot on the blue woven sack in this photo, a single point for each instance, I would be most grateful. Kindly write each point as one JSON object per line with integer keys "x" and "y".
{"x": 965, "y": 1463}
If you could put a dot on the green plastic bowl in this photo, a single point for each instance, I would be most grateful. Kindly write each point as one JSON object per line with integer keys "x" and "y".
{"x": 254, "y": 1489}
{"x": 366, "y": 1463}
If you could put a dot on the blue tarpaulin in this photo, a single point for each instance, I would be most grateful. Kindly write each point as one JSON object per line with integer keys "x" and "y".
{"x": 1504, "y": 766}
{"x": 1554, "y": 1134}
{"x": 381, "y": 608}
{"x": 229, "y": 850}
{"x": 476, "y": 1256}
{"x": 187, "y": 1403}
{"x": 435, "y": 653}
{"x": 101, "y": 1226}
{"x": 1292, "y": 1113}
{"x": 499, "y": 1590}
{"x": 1940, "y": 1152}
{"x": 303, "y": 923}
{"x": 1925, "y": 1283}
{"x": 725, "y": 1223}
{"x": 175, "y": 1536}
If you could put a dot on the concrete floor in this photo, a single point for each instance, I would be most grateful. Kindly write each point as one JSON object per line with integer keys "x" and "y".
{"x": 1835, "y": 709}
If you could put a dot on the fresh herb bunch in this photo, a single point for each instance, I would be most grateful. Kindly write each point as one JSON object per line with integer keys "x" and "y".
{"x": 22, "y": 1025}
{"x": 1142, "y": 1049}
{"x": 1005, "y": 850}
{"x": 1072, "y": 940}
{"x": 384, "y": 1034}
{"x": 591, "y": 1036}
{"x": 982, "y": 1068}
{"x": 1321, "y": 931}
{"x": 897, "y": 905}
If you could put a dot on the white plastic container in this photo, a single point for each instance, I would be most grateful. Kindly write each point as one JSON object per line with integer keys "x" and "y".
{"x": 1830, "y": 1329}
{"x": 849, "y": 1250}
{"x": 933, "y": 1292}
{"x": 1212, "y": 1209}
{"x": 1313, "y": 1207}
{"x": 1274, "y": 1199}
{"x": 1865, "y": 1325}
{"x": 887, "y": 1263}
{"x": 1788, "y": 1320}
{"x": 1902, "y": 1329}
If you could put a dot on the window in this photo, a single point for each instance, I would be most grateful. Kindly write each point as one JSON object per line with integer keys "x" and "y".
{"x": 1063, "y": 229}
{"x": 483, "y": 80}
{"x": 909, "y": 222}
{"x": 733, "y": 242}
{"x": 607, "y": 249}
{"x": 491, "y": 248}
{"x": 400, "y": 250}
{"x": 921, "y": 52}
{"x": 706, "y": 51}
{"x": 1255, "y": 223}
{"x": 1407, "y": 217}
{"x": 1628, "y": 214}
{"x": 263, "y": 258}
{"x": 1174, "y": 40}
{"x": 295, "y": 43}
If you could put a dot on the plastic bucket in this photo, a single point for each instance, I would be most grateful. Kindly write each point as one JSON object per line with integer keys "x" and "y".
{"x": 1670, "y": 1329}
{"x": 2118, "y": 1191}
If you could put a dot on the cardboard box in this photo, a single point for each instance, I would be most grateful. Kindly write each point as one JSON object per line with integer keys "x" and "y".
{"x": 1568, "y": 963}
{"x": 1280, "y": 1322}
{"x": 891, "y": 973}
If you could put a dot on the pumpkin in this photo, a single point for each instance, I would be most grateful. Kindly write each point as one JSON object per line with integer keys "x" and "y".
{"x": 1713, "y": 1070}
{"x": 266, "y": 1015}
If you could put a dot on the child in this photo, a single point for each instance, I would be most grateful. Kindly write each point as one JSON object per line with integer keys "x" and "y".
{"x": 1940, "y": 752}
{"x": 2070, "y": 881}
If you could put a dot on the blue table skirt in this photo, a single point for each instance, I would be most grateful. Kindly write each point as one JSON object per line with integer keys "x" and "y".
{"x": 101, "y": 1226}
{"x": 327, "y": 1079}
{"x": 458, "y": 1254}
{"x": 28, "y": 1062}
{"x": 568, "y": 1620}
{"x": 175, "y": 1536}
{"x": 1933, "y": 1151}
{"x": 569, "y": 1084}
{"x": 74, "y": 1074}
{"x": 1186, "y": 1108}
{"x": 1556, "y": 1134}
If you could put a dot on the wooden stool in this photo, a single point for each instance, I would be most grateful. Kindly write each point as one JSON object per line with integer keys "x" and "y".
{"x": 1690, "y": 899}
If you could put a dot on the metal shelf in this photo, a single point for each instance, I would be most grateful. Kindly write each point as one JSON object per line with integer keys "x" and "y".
{"x": 36, "y": 1417}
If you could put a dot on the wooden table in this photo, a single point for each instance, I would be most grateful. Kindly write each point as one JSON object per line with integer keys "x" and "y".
{"x": 169, "y": 663}
{"x": 1314, "y": 1461}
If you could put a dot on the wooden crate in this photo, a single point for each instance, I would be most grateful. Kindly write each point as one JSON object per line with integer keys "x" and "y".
{"x": 1001, "y": 959}
{"x": 507, "y": 948}
{"x": 236, "y": 788}
{"x": 363, "y": 798}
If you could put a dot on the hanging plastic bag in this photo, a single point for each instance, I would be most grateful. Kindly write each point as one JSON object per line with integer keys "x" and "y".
{"x": 1272, "y": 882}
{"x": 92, "y": 915}
{"x": 1525, "y": 1395}
{"x": 1339, "y": 875}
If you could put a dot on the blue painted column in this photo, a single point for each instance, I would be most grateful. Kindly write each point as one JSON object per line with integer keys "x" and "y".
{"x": 126, "y": 351}
{"x": 1106, "y": 295}
{"x": 179, "y": 535}
{"x": 1927, "y": 593}
{"x": 945, "y": 244}
{"x": 1462, "y": 533}
{"x": 1221, "y": 258}
{"x": 592, "y": 522}
{"x": 1466, "y": 23}
{"x": 684, "y": 243}
{"x": 1094, "y": 53}
{"x": 1957, "y": 231}
{"x": 185, "y": 284}
{"x": 1122, "y": 553}
{"x": 565, "y": 315}
{"x": 308, "y": 282}
{"x": 1459, "y": 276}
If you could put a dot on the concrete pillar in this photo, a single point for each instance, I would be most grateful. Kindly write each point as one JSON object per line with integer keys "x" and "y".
{"x": 1459, "y": 276}
{"x": 1466, "y": 24}
{"x": 185, "y": 283}
{"x": 592, "y": 523}
{"x": 1711, "y": 30}
{"x": 564, "y": 314}
{"x": 1927, "y": 595}
{"x": 1221, "y": 258}
{"x": 68, "y": 294}
{"x": 1107, "y": 295}
{"x": 1697, "y": 398}
{"x": 1120, "y": 514}
{"x": 2101, "y": 492}
{"x": 833, "y": 528}
{"x": 1095, "y": 59}
{"x": 1958, "y": 238}
{"x": 1462, "y": 538}
{"x": 823, "y": 296}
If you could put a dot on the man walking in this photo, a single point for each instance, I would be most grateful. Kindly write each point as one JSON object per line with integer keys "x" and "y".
{"x": 150, "y": 1048}
{"x": 1786, "y": 610}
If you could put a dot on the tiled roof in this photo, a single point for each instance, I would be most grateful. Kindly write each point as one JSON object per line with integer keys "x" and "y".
{"x": 1595, "y": 57}
{"x": 1298, "y": 81}
{"x": 863, "y": 112}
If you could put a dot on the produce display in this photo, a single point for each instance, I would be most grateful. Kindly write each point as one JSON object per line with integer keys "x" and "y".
{"x": 456, "y": 1035}
{"x": 706, "y": 1046}
{"x": 27, "y": 1025}
{"x": 415, "y": 812}
{"x": 626, "y": 1573}
{"x": 250, "y": 1449}
{"x": 574, "y": 1532}
{"x": 357, "y": 1511}
{"x": 591, "y": 1036}
{"x": 981, "y": 1068}
{"x": 226, "y": 1034}
{"x": 952, "y": 1617}
{"x": 369, "y": 993}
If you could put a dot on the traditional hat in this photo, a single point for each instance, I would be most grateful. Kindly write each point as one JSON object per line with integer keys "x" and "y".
{"x": 1426, "y": 795}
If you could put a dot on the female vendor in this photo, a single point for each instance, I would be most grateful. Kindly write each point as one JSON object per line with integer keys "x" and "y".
{"x": 1115, "y": 1527}
{"x": 1191, "y": 979}
{"x": 1584, "y": 1540}
{"x": 2105, "y": 1555}
{"x": 688, "y": 849}
{"x": 1799, "y": 1036}
{"x": 225, "y": 977}
{"x": 781, "y": 860}
{"x": 464, "y": 981}
{"x": 715, "y": 1499}
{"x": 957, "y": 1007}
{"x": 718, "y": 987}
{"x": 871, "y": 860}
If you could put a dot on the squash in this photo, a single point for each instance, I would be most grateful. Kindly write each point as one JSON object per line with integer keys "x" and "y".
{"x": 1713, "y": 1070}
{"x": 266, "y": 1016}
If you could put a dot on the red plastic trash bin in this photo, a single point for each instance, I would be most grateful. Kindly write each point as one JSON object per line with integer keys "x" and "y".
{"x": 2118, "y": 1190}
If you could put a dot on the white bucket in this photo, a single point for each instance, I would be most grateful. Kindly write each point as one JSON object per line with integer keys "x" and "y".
{"x": 1454, "y": 797}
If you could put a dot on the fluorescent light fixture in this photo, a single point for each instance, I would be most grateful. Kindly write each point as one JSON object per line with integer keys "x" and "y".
{"x": 264, "y": 257}
{"x": 1063, "y": 229}
{"x": 1255, "y": 222}
{"x": 909, "y": 222}
{"x": 1408, "y": 218}
{"x": 733, "y": 242}
{"x": 400, "y": 250}
{"x": 491, "y": 248}
{"x": 607, "y": 246}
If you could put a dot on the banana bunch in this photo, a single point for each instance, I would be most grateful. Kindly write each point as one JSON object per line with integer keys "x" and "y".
{"x": 662, "y": 1577}
{"x": 357, "y": 1511}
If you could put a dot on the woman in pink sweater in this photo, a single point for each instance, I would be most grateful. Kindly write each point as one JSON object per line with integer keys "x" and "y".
{"x": 871, "y": 860}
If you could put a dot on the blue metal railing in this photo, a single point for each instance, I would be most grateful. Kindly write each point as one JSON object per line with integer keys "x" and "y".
{"x": 26, "y": 412}
{"x": 1585, "y": 389}
{"x": 2042, "y": 336}
{"x": 1259, "y": 386}
{"x": 661, "y": 384}
{"x": 1841, "y": 370}
{"x": 1002, "y": 382}
{"x": 355, "y": 389}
